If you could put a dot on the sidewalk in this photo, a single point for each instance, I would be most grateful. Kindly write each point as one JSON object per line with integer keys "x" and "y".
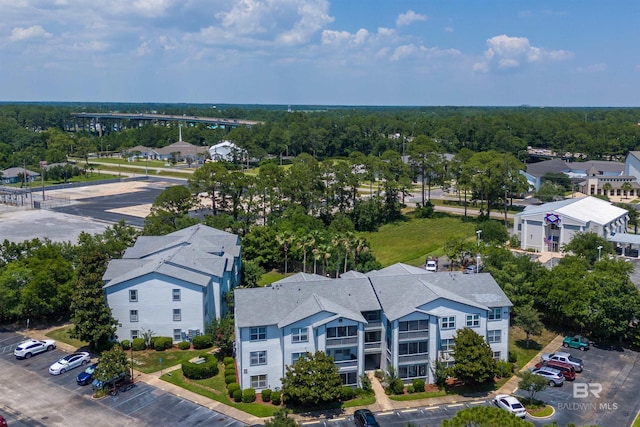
{"x": 383, "y": 402}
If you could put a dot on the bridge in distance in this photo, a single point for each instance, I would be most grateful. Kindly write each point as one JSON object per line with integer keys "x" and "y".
{"x": 99, "y": 122}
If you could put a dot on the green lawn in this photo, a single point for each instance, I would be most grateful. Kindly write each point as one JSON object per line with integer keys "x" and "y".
{"x": 411, "y": 241}
{"x": 148, "y": 361}
{"x": 62, "y": 335}
{"x": 518, "y": 345}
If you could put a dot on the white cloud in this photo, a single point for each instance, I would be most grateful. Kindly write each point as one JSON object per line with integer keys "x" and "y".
{"x": 344, "y": 38}
{"x": 593, "y": 68}
{"x": 511, "y": 52}
{"x": 409, "y": 17}
{"x": 35, "y": 31}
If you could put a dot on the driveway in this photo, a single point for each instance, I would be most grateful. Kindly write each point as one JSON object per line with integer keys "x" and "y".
{"x": 603, "y": 394}
{"x": 33, "y": 397}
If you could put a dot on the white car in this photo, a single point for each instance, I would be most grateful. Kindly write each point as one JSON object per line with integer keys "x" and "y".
{"x": 69, "y": 362}
{"x": 28, "y": 348}
{"x": 511, "y": 404}
{"x": 564, "y": 357}
{"x": 431, "y": 265}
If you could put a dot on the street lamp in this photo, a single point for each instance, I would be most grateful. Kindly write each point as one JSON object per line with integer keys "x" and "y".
{"x": 479, "y": 232}
{"x": 477, "y": 263}
{"x": 599, "y": 252}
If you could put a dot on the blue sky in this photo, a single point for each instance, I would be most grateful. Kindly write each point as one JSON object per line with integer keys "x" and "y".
{"x": 346, "y": 52}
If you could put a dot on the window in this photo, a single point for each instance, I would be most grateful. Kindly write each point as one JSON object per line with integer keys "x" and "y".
{"x": 448, "y": 322}
{"x": 414, "y": 325}
{"x": 296, "y": 356}
{"x": 176, "y": 294}
{"x": 496, "y": 355}
{"x": 258, "y": 381}
{"x": 258, "y": 358}
{"x": 495, "y": 314}
{"x": 494, "y": 336}
{"x": 473, "y": 320}
{"x": 177, "y": 315}
{"x": 133, "y": 295}
{"x": 412, "y": 371}
{"x": 446, "y": 345}
{"x": 418, "y": 347}
{"x": 133, "y": 315}
{"x": 299, "y": 335}
{"x": 258, "y": 334}
{"x": 349, "y": 378}
{"x": 134, "y": 334}
{"x": 342, "y": 331}
{"x": 177, "y": 334}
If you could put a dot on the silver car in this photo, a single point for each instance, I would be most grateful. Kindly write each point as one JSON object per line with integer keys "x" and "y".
{"x": 554, "y": 376}
{"x": 511, "y": 404}
{"x": 69, "y": 362}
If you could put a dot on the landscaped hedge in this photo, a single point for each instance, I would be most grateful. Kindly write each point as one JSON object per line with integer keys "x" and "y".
{"x": 346, "y": 393}
{"x": 275, "y": 398}
{"x": 184, "y": 345}
{"x": 126, "y": 344}
{"x": 228, "y": 379}
{"x": 231, "y": 388}
{"x": 202, "y": 341}
{"x": 248, "y": 395}
{"x": 266, "y": 395}
{"x": 162, "y": 343}
{"x": 138, "y": 344}
{"x": 237, "y": 396}
{"x": 229, "y": 371}
{"x": 418, "y": 385}
{"x": 199, "y": 371}
{"x": 228, "y": 361}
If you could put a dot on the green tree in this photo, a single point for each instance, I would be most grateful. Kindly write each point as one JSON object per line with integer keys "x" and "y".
{"x": 626, "y": 187}
{"x": 113, "y": 363}
{"x": 222, "y": 332}
{"x": 484, "y": 416}
{"x": 549, "y": 191}
{"x": 532, "y": 383}
{"x": 585, "y": 245}
{"x": 281, "y": 419}
{"x": 251, "y": 273}
{"x": 493, "y": 232}
{"x": 89, "y": 311}
{"x": 474, "y": 362}
{"x": 528, "y": 318}
{"x": 313, "y": 380}
{"x": 169, "y": 212}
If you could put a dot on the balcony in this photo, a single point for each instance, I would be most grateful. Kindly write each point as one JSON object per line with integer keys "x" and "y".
{"x": 411, "y": 358}
{"x": 372, "y": 347}
{"x": 347, "y": 365}
{"x": 413, "y": 335}
{"x": 342, "y": 342}
{"x": 373, "y": 325}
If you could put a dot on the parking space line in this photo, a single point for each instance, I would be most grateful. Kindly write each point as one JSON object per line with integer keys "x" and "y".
{"x": 408, "y": 411}
{"x": 455, "y": 405}
{"x": 429, "y": 408}
{"x": 477, "y": 402}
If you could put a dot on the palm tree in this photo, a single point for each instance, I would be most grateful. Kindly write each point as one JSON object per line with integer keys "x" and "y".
{"x": 626, "y": 188}
{"x": 606, "y": 187}
{"x": 285, "y": 239}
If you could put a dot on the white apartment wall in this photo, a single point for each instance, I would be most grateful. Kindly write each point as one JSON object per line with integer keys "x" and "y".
{"x": 155, "y": 306}
{"x": 274, "y": 369}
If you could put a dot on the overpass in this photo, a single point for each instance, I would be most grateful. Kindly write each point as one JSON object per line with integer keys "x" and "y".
{"x": 105, "y": 122}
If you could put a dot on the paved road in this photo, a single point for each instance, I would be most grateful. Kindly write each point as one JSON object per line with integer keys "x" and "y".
{"x": 30, "y": 396}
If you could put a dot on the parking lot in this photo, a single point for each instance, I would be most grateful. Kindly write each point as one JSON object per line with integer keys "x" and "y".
{"x": 611, "y": 382}
{"x": 33, "y": 397}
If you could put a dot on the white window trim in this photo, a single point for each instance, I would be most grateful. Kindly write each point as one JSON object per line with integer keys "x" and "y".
{"x": 447, "y": 320}
{"x": 299, "y": 335}
{"x": 261, "y": 358}
{"x": 473, "y": 320}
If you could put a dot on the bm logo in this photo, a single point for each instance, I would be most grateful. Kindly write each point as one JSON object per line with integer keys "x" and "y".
{"x": 582, "y": 390}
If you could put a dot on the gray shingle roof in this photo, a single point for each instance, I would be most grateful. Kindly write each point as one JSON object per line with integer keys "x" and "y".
{"x": 397, "y": 290}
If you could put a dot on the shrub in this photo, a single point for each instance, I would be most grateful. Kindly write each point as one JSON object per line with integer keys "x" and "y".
{"x": 513, "y": 358}
{"x": 379, "y": 375}
{"x": 184, "y": 345}
{"x": 228, "y": 361}
{"x": 231, "y": 388}
{"x": 266, "y": 395}
{"x": 162, "y": 343}
{"x": 346, "y": 393}
{"x": 199, "y": 371}
{"x": 396, "y": 386}
{"x": 248, "y": 395}
{"x": 237, "y": 396}
{"x": 504, "y": 369}
{"x": 275, "y": 398}
{"x": 418, "y": 385}
{"x": 411, "y": 389}
{"x": 365, "y": 383}
{"x": 228, "y": 379}
{"x": 202, "y": 341}
{"x": 229, "y": 371}
{"x": 126, "y": 344}
{"x": 138, "y": 344}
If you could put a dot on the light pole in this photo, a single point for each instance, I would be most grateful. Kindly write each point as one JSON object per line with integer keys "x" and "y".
{"x": 479, "y": 232}
{"x": 477, "y": 263}
{"x": 599, "y": 252}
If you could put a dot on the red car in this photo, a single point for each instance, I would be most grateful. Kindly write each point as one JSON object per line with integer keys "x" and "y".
{"x": 568, "y": 372}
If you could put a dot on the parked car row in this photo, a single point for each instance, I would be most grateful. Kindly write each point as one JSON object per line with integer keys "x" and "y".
{"x": 31, "y": 347}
